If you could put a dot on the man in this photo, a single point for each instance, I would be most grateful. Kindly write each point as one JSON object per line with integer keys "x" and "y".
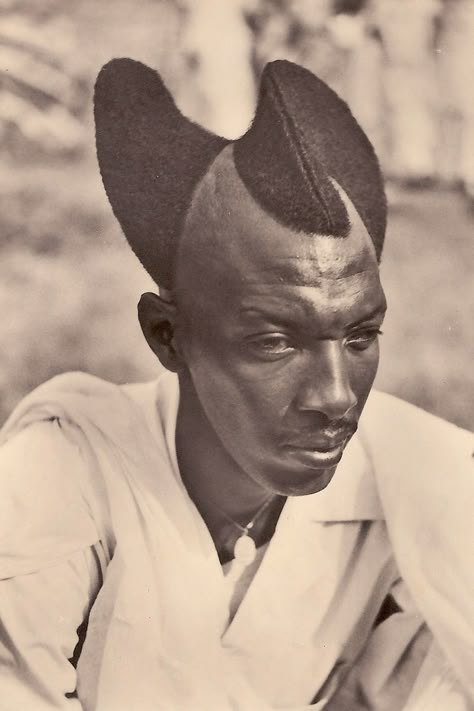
{"x": 189, "y": 544}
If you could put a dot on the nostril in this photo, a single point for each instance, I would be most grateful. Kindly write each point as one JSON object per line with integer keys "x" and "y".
{"x": 334, "y": 401}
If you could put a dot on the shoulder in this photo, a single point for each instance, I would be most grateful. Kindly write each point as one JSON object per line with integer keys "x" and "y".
{"x": 40, "y": 462}
{"x": 420, "y": 463}
{"x": 65, "y": 453}
{"x": 43, "y": 511}
{"x": 423, "y": 467}
{"x": 80, "y": 398}
{"x": 387, "y": 418}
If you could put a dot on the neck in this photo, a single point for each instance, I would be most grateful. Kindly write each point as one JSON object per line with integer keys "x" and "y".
{"x": 212, "y": 478}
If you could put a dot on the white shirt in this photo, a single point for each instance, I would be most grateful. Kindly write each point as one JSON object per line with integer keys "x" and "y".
{"x": 304, "y": 622}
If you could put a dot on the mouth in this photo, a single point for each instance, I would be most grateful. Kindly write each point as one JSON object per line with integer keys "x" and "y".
{"x": 317, "y": 458}
{"x": 320, "y": 452}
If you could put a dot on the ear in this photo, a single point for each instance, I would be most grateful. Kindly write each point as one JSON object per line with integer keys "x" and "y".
{"x": 158, "y": 320}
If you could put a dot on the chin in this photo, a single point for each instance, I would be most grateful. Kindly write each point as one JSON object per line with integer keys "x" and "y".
{"x": 301, "y": 483}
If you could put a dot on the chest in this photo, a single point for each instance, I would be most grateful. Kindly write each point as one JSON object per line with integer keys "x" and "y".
{"x": 310, "y": 608}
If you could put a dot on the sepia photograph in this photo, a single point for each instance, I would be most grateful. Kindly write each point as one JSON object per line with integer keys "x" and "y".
{"x": 236, "y": 355}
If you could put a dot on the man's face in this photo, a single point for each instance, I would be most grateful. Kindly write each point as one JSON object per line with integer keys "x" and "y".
{"x": 280, "y": 345}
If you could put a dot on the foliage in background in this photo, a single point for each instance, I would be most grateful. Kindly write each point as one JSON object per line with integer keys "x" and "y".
{"x": 68, "y": 285}
{"x": 41, "y": 90}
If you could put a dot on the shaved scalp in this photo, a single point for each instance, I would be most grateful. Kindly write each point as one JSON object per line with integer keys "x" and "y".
{"x": 229, "y": 239}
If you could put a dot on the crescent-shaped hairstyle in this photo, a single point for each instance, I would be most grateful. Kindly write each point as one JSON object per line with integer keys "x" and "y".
{"x": 302, "y": 141}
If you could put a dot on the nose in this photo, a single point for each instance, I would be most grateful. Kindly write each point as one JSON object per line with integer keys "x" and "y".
{"x": 326, "y": 386}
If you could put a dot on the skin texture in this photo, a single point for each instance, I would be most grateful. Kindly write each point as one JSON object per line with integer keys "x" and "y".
{"x": 273, "y": 335}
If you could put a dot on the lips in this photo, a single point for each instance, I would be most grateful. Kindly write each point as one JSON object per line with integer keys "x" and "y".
{"x": 321, "y": 451}
{"x": 323, "y": 441}
{"x": 316, "y": 458}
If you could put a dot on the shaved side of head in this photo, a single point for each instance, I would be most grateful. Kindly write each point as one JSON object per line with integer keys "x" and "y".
{"x": 229, "y": 239}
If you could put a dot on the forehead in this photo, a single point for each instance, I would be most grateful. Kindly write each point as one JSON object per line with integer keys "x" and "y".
{"x": 312, "y": 299}
{"x": 232, "y": 248}
{"x": 299, "y": 260}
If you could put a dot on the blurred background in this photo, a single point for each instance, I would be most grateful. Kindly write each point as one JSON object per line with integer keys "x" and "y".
{"x": 69, "y": 285}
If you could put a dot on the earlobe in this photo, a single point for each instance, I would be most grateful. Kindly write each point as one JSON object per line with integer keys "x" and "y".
{"x": 157, "y": 318}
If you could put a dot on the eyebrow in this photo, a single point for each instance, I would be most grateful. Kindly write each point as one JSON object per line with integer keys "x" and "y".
{"x": 288, "y": 272}
{"x": 377, "y": 311}
{"x": 287, "y": 316}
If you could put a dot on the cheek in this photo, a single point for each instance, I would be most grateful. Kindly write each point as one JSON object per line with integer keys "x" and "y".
{"x": 241, "y": 401}
{"x": 236, "y": 395}
{"x": 363, "y": 369}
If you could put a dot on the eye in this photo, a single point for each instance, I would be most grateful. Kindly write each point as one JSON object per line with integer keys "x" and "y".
{"x": 361, "y": 340}
{"x": 272, "y": 345}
